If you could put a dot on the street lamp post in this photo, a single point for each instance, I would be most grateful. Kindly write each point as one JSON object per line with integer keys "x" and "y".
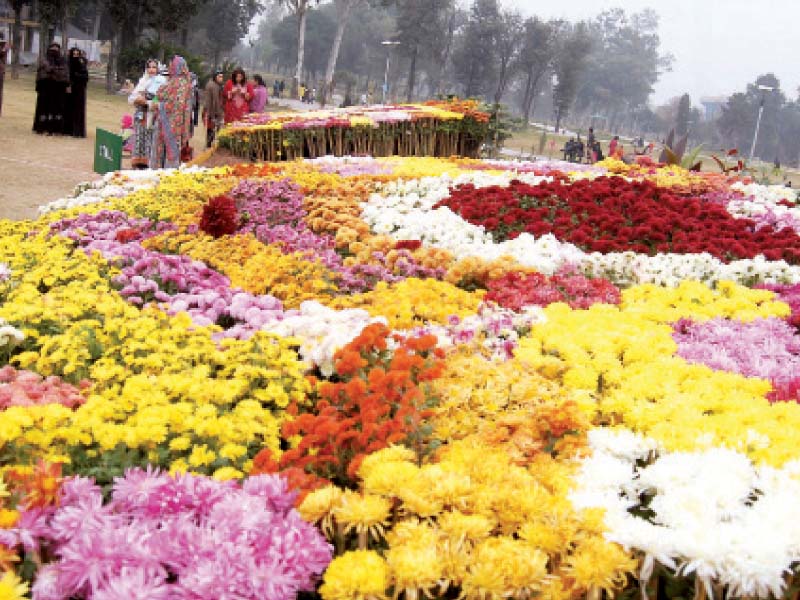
{"x": 764, "y": 89}
{"x": 388, "y": 44}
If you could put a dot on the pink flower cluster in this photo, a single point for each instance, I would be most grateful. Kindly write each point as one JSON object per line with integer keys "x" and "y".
{"x": 178, "y": 538}
{"x": 25, "y": 388}
{"x": 790, "y": 294}
{"x": 180, "y": 283}
{"x": 766, "y": 348}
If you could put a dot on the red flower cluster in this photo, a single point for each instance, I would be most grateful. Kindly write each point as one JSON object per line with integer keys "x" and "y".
{"x": 378, "y": 397}
{"x": 408, "y": 245}
{"x": 611, "y": 214}
{"x": 516, "y": 290}
{"x": 220, "y": 217}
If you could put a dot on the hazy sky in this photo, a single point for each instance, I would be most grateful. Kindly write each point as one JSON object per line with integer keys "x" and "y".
{"x": 719, "y": 45}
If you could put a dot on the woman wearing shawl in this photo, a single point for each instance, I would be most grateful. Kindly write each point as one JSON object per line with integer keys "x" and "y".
{"x": 75, "y": 113}
{"x": 237, "y": 94}
{"x": 52, "y": 80}
{"x": 143, "y": 97}
{"x": 173, "y": 120}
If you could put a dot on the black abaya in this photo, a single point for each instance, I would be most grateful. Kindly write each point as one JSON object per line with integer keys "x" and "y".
{"x": 75, "y": 111}
{"x": 52, "y": 79}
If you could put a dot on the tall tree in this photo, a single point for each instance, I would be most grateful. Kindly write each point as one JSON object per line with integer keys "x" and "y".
{"x": 475, "y": 58}
{"x": 419, "y": 22}
{"x": 570, "y": 65}
{"x": 508, "y": 42}
{"x": 344, "y": 8}
{"x": 225, "y": 23}
{"x": 16, "y": 36}
{"x": 536, "y": 58}
{"x": 169, "y": 16}
{"x": 624, "y": 64}
{"x": 299, "y": 8}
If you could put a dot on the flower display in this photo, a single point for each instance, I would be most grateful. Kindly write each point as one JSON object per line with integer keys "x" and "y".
{"x": 361, "y": 377}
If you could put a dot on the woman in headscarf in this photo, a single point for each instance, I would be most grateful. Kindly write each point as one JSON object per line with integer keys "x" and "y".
{"x": 237, "y": 94}
{"x": 75, "y": 113}
{"x": 143, "y": 99}
{"x": 173, "y": 120}
{"x": 52, "y": 80}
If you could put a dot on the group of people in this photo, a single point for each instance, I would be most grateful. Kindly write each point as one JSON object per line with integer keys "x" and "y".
{"x": 162, "y": 122}
{"x": 61, "y": 93}
{"x": 230, "y": 101}
{"x": 576, "y": 151}
{"x": 307, "y": 95}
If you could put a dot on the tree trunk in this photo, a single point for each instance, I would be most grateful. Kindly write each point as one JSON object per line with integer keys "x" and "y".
{"x": 64, "y": 24}
{"x": 438, "y": 88}
{"x": 302, "y": 13}
{"x": 412, "y": 74}
{"x": 501, "y": 82}
{"x": 184, "y": 37}
{"x": 526, "y": 98}
{"x": 162, "y": 41}
{"x": 17, "y": 41}
{"x": 558, "y": 120}
{"x": 98, "y": 19}
{"x": 112, "y": 62}
{"x": 344, "y": 17}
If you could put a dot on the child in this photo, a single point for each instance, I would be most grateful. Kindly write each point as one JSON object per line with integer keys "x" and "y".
{"x": 126, "y": 131}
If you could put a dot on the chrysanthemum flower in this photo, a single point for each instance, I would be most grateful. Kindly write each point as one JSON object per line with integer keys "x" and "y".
{"x": 356, "y": 575}
{"x": 12, "y": 587}
{"x": 596, "y": 563}
{"x": 318, "y": 506}
{"x": 461, "y": 528}
{"x": 503, "y": 567}
{"x": 363, "y": 513}
{"x": 414, "y": 569}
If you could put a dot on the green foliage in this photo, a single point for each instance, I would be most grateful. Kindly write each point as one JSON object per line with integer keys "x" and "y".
{"x": 132, "y": 60}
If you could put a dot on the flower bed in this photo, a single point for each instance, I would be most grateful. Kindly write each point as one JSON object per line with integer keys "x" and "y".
{"x": 316, "y": 378}
{"x": 430, "y": 129}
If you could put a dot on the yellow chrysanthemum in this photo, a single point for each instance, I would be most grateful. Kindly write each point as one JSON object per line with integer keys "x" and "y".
{"x": 415, "y": 569}
{"x": 363, "y": 513}
{"x": 318, "y": 506}
{"x": 503, "y": 567}
{"x": 356, "y": 575}
{"x": 12, "y": 587}
{"x": 597, "y": 563}
{"x": 8, "y": 518}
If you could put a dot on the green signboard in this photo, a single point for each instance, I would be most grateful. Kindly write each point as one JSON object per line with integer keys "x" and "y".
{"x": 107, "y": 152}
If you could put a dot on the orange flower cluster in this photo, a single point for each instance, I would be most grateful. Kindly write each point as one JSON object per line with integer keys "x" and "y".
{"x": 37, "y": 487}
{"x": 377, "y": 397}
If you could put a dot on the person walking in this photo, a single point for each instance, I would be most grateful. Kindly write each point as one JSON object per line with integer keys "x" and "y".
{"x": 260, "y": 97}
{"x": 237, "y": 94}
{"x": 213, "y": 107}
{"x": 75, "y": 112}
{"x": 612, "y": 147}
{"x": 52, "y": 80}
{"x": 143, "y": 99}
{"x": 276, "y": 89}
{"x": 590, "y": 156}
{"x": 4, "y": 48}
{"x": 281, "y": 88}
{"x": 173, "y": 117}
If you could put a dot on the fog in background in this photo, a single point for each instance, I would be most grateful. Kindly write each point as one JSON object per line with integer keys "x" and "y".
{"x": 719, "y": 45}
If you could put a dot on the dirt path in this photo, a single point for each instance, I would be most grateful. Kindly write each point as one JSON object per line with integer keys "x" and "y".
{"x": 35, "y": 170}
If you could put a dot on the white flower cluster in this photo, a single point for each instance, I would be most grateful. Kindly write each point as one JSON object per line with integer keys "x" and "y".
{"x": 322, "y": 331}
{"x": 113, "y": 185}
{"x": 712, "y": 513}
{"x": 404, "y": 209}
{"x": 9, "y": 335}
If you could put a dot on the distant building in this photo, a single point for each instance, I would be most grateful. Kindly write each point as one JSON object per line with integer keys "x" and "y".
{"x": 29, "y": 47}
{"x": 712, "y": 106}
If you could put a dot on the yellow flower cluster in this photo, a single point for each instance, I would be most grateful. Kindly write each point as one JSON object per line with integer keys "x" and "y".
{"x": 413, "y": 302}
{"x": 161, "y": 389}
{"x": 623, "y": 358}
{"x": 507, "y": 404}
{"x": 473, "y": 522}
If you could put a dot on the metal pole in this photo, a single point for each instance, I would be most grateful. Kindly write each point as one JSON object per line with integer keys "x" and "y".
{"x": 386, "y": 78}
{"x": 758, "y": 125}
